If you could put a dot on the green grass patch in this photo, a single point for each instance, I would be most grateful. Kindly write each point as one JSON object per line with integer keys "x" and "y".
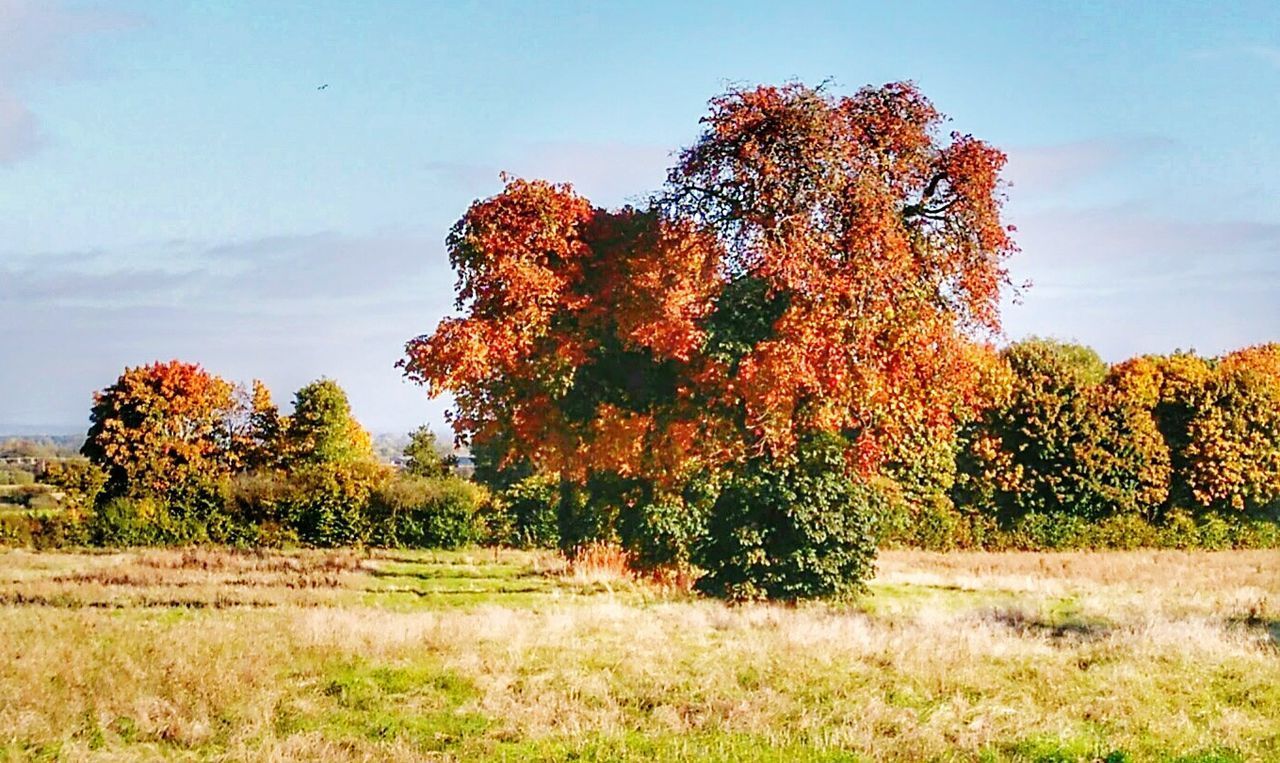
{"x": 423, "y": 705}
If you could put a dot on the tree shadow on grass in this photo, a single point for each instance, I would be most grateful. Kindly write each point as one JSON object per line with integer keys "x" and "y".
{"x": 1056, "y": 628}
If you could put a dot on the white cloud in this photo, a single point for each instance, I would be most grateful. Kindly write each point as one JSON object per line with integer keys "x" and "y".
{"x": 286, "y": 309}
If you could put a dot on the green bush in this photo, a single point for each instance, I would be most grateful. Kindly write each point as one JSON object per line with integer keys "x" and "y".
{"x": 1036, "y": 531}
{"x": 1179, "y": 530}
{"x": 790, "y": 528}
{"x": 43, "y": 529}
{"x": 1216, "y": 533}
{"x": 1123, "y": 531}
{"x": 938, "y": 526}
{"x": 663, "y": 532}
{"x": 426, "y": 512}
{"x": 328, "y": 503}
{"x": 524, "y": 514}
{"x": 1258, "y": 533}
{"x": 130, "y": 522}
{"x": 16, "y": 477}
{"x": 260, "y": 498}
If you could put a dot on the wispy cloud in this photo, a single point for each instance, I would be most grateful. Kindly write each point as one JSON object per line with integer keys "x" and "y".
{"x": 295, "y": 274}
{"x": 1258, "y": 52}
{"x": 1049, "y": 169}
{"x": 1268, "y": 54}
{"x": 38, "y": 40}
{"x": 285, "y": 308}
{"x": 1127, "y": 279}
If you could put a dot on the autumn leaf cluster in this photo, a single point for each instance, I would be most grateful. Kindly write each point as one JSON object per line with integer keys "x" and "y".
{"x": 814, "y": 264}
{"x": 1144, "y": 437}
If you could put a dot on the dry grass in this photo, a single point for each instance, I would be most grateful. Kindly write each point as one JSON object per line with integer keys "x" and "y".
{"x": 953, "y": 656}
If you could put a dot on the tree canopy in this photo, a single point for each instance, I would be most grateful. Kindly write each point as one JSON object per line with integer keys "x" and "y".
{"x": 814, "y": 264}
{"x": 160, "y": 425}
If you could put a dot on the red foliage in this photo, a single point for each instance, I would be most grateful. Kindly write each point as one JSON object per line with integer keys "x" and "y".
{"x": 588, "y": 338}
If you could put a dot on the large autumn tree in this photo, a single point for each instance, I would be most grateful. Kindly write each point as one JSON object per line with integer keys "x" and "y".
{"x": 811, "y": 281}
{"x": 579, "y": 345}
{"x": 862, "y": 254}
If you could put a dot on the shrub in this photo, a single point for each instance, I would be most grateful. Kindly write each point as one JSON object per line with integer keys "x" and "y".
{"x": 16, "y": 477}
{"x": 43, "y": 529}
{"x": 1036, "y": 531}
{"x": 426, "y": 512}
{"x": 662, "y": 533}
{"x": 1179, "y": 530}
{"x": 790, "y": 528}
{"x": 261, "y": 497}
{"x": 327, "y": 503}
{"x": 938, "y": 526}
{"x": 129, "y": 522}
{"x": 1123, "y": 531}
{"x": 1215, "y": 533}
{"x": 524, "y": 514}
{"x": 928, "y": 521}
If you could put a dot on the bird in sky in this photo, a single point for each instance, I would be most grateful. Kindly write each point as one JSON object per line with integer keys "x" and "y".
{"x": 325, "y": 86}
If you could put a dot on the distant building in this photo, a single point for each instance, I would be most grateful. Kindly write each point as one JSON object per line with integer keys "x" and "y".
{"x": 463, "y": 463}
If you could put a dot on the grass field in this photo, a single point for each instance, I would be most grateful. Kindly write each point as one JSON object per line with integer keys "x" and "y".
{"x": 208, "y": 654}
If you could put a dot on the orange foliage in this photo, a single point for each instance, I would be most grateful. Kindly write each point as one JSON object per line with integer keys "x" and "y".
{"x": 885, "y": 245}
{"x": 160, "y": 425}
{"x": 597, "y": 340}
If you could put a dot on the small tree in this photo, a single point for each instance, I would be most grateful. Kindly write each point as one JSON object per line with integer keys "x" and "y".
{"x": 322, "y": 430}
{"x": 1232, "y": 454}
{"x": 424, "y": 455}
{"x": 264, "y": 436}
{"x": 1067, "y": 439}
{"x": 790, "y": 527}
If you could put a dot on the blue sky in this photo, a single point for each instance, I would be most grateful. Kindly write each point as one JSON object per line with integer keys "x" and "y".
{"x": 173, "y": 184}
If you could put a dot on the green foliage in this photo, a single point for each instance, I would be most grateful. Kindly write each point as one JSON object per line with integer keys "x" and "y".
{"x": 124, "y": 521}
{"x": 586, "y": 516}
{"x": 524, "y": 514}
{"x": 322, "y": 429}
{"x": 662, "y": 530}
{"x": 79, "y": 481}
{"x": 427, "y": 512}
{"x": 1123, "y": 531}
{"x": 1174, "y": 451}
{"x": 425, "y": 456}
{"x": 1053, "y": 532}
{"x": 745, "y": 313}
{"x": 16, "y": 477}
{"x": 790, "y": 528}
{"x": 41, "y": 529}
{"x": 327, "y": 504}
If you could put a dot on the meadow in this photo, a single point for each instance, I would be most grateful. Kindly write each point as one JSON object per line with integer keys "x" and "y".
{"x": 511, "y": 655}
